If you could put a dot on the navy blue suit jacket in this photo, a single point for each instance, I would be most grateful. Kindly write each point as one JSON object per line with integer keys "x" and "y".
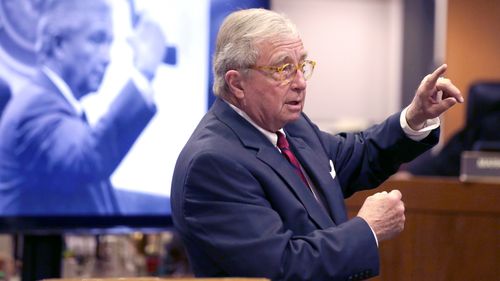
{"x": 4, "y": 95}
{"x": 53, "y": 162}
{"x": 242, "y": 211}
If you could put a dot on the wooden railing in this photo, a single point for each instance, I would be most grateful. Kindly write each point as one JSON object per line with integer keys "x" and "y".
{"x": 452, "y": 230}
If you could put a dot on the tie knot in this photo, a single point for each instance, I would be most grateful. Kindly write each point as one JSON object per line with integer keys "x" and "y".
{"x": 282, "y": 142}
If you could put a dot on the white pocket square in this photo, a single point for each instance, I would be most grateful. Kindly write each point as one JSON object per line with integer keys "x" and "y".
{"x": 332, "y": 172}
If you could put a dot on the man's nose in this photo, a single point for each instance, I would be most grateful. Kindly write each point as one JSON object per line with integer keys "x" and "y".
{"x": 299, "y": 81}
{"x": 105, "y": 53}
{"x": 105, "y": 59}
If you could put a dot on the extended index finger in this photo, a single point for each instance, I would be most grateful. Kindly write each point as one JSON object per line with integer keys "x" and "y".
{"x": 434, "y": 76}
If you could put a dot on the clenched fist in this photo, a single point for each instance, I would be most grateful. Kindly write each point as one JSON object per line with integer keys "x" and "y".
{"x": 148, "y": 43}
{"x": 384, "y": 212}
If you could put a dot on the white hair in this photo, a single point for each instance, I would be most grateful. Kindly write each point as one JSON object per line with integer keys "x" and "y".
{"x": 238, "y": 37}
{"x": 61, "y": 18}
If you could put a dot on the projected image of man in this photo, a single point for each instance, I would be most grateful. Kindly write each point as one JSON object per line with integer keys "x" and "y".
{"x": 52, "y": 161}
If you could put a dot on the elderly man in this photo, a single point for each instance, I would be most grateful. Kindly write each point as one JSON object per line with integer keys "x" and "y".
{"x": 51, "y": 160}
{"x": 258, "y": 189}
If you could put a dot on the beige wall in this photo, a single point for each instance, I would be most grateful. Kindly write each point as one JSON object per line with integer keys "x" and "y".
{"x": 347, "y": 85}
{"x": 473, "y": 50}
{"x": 357, "y": 45}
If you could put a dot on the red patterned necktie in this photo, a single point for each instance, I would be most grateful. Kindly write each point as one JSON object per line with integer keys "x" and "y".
{"x": 284, "y": 146}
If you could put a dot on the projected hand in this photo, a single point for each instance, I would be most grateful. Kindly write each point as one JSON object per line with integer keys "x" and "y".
{"x": 148, "y": 43}
{"x": 384, "y": 212}
{"x": 434, "y": 96}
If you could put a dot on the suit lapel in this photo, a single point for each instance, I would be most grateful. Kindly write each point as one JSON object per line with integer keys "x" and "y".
{"x": 273, "y": 158}
{"x": 251, "y": 138}
{"x": 42, "y": 80}
{"x": 321, "y": 177}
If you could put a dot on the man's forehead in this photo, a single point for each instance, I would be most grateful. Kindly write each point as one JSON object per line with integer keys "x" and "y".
{"x": 282, "y": 49}
{"x": 92, "y": 21}
{"x": 287, "y": 56}
{"x": 83, "y": 6}
{"x": 85, "y": 13}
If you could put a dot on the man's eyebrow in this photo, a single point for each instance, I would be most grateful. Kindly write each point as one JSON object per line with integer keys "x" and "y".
{"x": 283, "y": 58}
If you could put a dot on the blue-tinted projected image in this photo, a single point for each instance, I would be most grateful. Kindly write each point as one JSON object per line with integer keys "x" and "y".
{"x": 100, "y": 98}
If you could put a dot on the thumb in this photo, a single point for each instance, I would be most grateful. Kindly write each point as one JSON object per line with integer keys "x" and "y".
{"x": 396, "y": 194}
{"x": 446, "y": 104}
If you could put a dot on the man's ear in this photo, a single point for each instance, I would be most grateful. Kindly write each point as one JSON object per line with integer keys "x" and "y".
{"x": 234, "y": 81}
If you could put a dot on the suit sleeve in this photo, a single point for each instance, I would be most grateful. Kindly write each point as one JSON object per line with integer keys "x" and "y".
{"x": 53, "y": 141}
{"x": 366, "y": 159}
{"x": 228, "y": 217}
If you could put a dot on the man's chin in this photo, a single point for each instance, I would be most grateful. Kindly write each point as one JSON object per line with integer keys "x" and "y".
{"x": 294, "y": 117}
{"x": 87, "y": 90}
{"x": 94, "y": 85}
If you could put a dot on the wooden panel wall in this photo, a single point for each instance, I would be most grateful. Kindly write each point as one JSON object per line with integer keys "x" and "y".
{"x": 452, "y": 231}
{"x": 472, "y": 49}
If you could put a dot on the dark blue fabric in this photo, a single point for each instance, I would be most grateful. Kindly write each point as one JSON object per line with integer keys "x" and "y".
{"x": 242, "y": 211}
{"x": 5, "y": 95}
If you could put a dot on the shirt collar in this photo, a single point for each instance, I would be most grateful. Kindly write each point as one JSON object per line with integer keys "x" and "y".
{"x": 64, "y": 89}
{"x": 271, "y": 136}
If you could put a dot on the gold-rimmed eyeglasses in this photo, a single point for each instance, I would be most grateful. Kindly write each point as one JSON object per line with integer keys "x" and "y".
{"x": 286, "y": 72}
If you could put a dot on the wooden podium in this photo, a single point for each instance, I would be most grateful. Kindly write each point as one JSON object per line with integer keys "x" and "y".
{"x": 452, "y": 230}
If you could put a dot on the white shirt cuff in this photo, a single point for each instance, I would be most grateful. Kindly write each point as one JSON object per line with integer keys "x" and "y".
{"x": 374, "y": 235}
{"x": 421, "y": 134}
